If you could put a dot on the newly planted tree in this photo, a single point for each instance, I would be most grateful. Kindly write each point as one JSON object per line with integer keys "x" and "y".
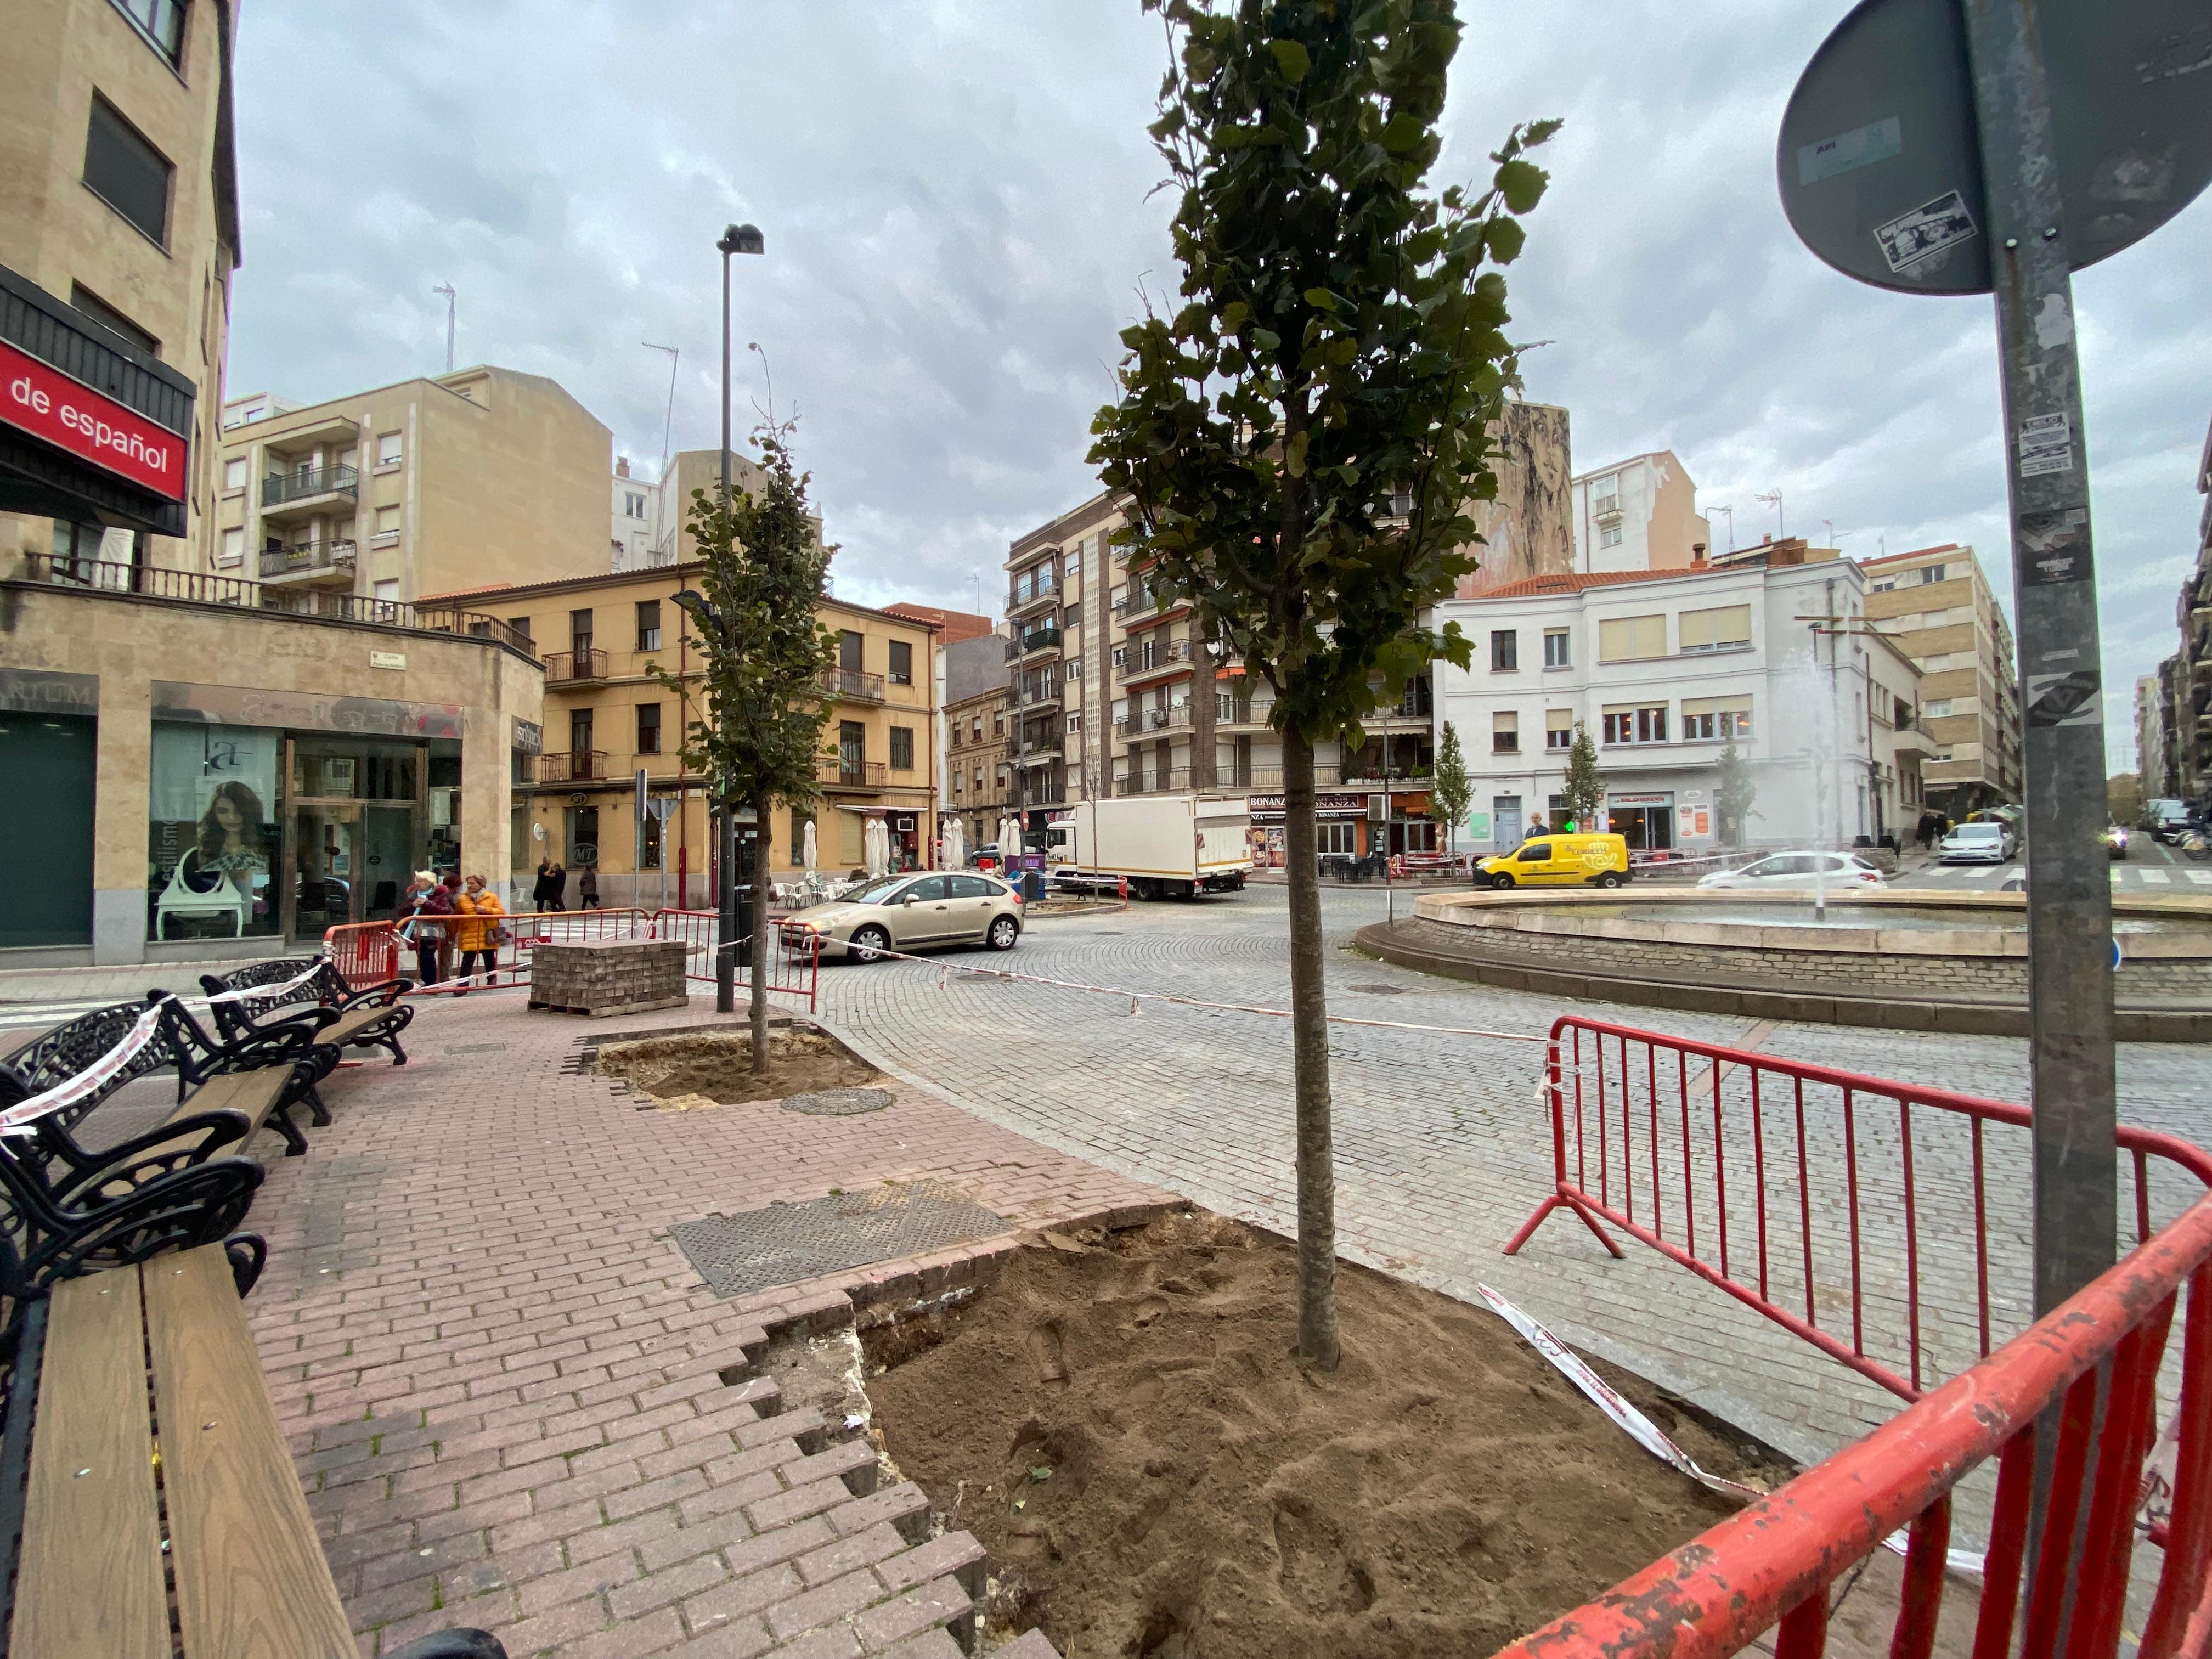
{"x": 1735, "y": 794}
{"x": 1299, "y": 437}
{"x": 1583, "y": 795}
{"x": 1450, "y": 789}
{"x": 762, "y": 651}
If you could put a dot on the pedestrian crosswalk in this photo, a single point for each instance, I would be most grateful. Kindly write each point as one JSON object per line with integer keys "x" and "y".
{"x": 37, "y": 1016}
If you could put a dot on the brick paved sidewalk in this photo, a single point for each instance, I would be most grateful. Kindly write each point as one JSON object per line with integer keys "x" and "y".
{"x": 514, "y": 1405}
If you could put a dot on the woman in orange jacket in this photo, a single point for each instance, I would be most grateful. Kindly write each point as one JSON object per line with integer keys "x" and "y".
{"x": 476, "y": 933}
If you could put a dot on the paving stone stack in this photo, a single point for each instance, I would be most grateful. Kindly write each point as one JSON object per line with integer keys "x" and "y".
{"x": 608, "y": 976}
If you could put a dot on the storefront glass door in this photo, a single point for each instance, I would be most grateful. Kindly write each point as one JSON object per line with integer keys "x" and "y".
{"x": 388, "y": 842}
{"x": 325, "y": 843}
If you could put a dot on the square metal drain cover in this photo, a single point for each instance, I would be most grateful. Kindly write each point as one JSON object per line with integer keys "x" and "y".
{"x": 736, "y": 1254}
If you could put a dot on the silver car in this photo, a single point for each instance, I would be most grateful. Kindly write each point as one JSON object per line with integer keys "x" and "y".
{"x": 1798, "y": 872}
{"x": 1983, "y": 842}
{"x": 911, "y": 912}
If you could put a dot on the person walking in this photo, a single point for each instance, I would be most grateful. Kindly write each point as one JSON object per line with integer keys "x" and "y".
{"x": 429, "y": 907}
{"x": 587, "y": 887}
{"x": 546, "y": 892}
{"x": 476, "y": 935}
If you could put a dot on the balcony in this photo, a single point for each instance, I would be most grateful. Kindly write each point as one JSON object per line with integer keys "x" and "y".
{"x": 1605, "y": 507}
{"x": 1026, "y": 596}
{"x": 1140, "y": 722}
{"x": 852, "y": 685}
{"x": 1143, "y": 607}
{"x": 1035, "y": 641}
{"x": 298, "y": 492}
{"x": 1230, "y": 715}
{"x": 1914, "y": 739}
{"x": 1034, "y": 751}
{"x": 1165, "y": 656}
{"x": 851, "y": 772}
{"x": 573, "y": 766}
{"x": 1045, "y": 694}
{"x": 306, "y": 563}
{"x": 575, "y": 667}
{"x": 1173, "y": 782}
{"x": 1039, "y": 792}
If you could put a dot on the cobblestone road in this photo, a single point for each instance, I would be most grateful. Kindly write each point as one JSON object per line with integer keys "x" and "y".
{"x": 1442, "y": 1144}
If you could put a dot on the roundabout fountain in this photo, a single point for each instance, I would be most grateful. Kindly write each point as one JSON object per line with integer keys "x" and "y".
{"x": 1899, "y": 958}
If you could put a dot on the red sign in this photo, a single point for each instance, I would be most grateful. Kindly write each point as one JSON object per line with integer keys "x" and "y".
{"x": 45, "y": 402}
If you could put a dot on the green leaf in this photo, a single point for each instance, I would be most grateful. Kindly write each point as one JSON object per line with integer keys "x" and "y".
{"x": 1521, "y": 183}
{"x": 1505, "y": 238}
{"x": 1294, "y": 454}
{"x": 1291, "y": 58}
{"x": 1041, "y": 1472}
{"x": 1320, "y": 297}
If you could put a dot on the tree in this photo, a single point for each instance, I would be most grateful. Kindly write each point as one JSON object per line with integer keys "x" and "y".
{"x": 1733, "y": 797}
{"x": 1585, "y": 794}
{"x": 763, "y": 650}
{"x": 1297, "y": 440}
{"x": 2124, "y": 797}
{"x": 1450, "y": 787}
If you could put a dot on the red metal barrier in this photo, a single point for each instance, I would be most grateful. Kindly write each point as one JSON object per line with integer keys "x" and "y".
{"x": 370, "y": 952}
{"x": 2094, "y": 1362}
{"x": 794, "y": 964}
{"x": 1678, "y": 1143}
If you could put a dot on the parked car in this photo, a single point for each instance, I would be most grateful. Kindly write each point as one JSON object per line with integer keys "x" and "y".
{"x": 1988, "y": 843}
{"x": 1558, "y": 861}
{"x": 910, "y": 912}
{"x": 2166, "y": 819}
{"x": 2116, "y": 841}
{"x": 1796, "y": 872}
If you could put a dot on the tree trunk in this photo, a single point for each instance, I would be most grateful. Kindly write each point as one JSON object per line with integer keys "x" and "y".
{"x": 1317, "y": 1338}
{"x": 761, "y": 931}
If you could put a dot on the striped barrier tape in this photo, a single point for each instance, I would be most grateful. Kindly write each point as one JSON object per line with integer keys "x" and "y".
{"x": 18, "y": 1118}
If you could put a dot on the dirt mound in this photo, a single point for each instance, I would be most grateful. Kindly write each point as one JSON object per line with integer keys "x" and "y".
{"x": 690, "y": 1071}
{"x": 1129, "y": 1433}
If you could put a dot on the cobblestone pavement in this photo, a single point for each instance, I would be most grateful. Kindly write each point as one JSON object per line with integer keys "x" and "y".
{"x": 1442, "y": 1144}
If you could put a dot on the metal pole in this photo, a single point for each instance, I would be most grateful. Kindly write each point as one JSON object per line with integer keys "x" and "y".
{"x": 725, "y": 933}
{"x": 2069, "y": 896}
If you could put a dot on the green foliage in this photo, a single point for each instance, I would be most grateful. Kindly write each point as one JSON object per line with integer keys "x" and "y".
{"x": 1584, "y": 792}
{"x": 1300, "y": 438}
{"x": 1450, "y": 787}
{"x": 762, "y": 647}
{"x": 1733, "y": 796}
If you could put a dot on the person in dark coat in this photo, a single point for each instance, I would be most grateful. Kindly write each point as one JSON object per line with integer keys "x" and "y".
{"x": 429, "y": 904}
{"x": 552, "y": 881}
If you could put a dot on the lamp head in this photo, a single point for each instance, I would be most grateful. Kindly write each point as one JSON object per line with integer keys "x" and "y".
{"x": 742, "y": 238}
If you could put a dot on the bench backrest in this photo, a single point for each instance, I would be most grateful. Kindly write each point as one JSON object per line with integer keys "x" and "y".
{"x": 278, "y": 972}
{"x": 55, "y": 1058}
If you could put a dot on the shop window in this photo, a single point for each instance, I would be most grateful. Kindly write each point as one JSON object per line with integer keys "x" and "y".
{"x": 649, "y": 847}
{"x": 901, "y": 671}
{"x": 1504, "y": 650}
{"x": 648, "y": 624}
{"x": 1335, "y": 836}
{"x": 126, "y": 172}
{"x": 902, "y": 749}
{"x": 648, "y": 728}
{"x": 583, "y": 836}
{"x": 216, "y": 843}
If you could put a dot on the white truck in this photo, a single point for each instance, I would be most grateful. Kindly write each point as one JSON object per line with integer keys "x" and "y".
{"x": 1164, "y": 846}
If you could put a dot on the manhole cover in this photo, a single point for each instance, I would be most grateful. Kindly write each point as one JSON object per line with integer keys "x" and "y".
{"x": 787, "y": 1243}
{"x": 1378, "y": 990}
{"x": 838, "y": 1102}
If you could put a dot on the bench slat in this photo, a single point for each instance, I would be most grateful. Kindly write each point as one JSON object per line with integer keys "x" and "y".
{"x": 251, "y": 1576}
{"x": 90, "y": 1587}
{"x": 255, "y": 1093}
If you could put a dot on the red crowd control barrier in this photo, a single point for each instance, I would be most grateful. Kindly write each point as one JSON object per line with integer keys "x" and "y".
{"x": 1856, "y": 1211}
{"x": 794, "y": 964}
{"x": 2095, "y": 1364}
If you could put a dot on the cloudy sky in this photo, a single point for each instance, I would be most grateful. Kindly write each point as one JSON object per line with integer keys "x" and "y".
{"x": 955, "y": 198}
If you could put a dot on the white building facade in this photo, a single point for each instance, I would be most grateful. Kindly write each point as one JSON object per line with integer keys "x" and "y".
{"x": 1665, "y": 669}
{"x": 1637, "y": 514}
{"x": 634, "y": 510}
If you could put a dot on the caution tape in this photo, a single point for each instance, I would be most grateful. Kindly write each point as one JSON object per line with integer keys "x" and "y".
{"x": 256, "y": 992}
{"x": 18, "y": 1118}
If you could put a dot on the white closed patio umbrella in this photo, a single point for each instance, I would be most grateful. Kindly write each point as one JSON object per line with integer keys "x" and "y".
{"x": 956, "y": 845}
{"x": 807, "y": 847}
{"x": 878, "y": 862}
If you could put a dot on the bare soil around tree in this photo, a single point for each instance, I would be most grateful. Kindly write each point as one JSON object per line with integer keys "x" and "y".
{"x": 1124, "y": 1424}
{"x": 717, "y": 1068}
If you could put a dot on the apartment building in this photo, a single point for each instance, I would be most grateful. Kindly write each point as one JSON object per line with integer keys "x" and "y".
{"x": 1637, "y": 514}
{"x": 2150, "y": 736}
{"x": 978, "y": 773}
{"x": 118, "y": 234}
{"x": 631, "y": 513}
{"x": 606, "y": 718}
{"x": 2188, "y": 682}
{"x": 1527, "y": 529}
{"x": 1938, "y": 605}
{"x": 485, "y": 477}
{"x": 1666, "y": 669}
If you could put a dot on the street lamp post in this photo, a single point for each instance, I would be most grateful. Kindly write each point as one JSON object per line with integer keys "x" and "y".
{"x": 736, "y": 238}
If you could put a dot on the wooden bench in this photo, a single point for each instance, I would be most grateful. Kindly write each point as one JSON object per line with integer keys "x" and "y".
{"x": 310, "y": 990}
{"x": 146, "y": 1370}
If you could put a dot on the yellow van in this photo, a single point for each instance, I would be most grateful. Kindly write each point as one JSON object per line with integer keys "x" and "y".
{"x": 1558, "y": 862}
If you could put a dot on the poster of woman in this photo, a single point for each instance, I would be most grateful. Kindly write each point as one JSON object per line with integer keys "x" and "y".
{"x": 214, "y": 846}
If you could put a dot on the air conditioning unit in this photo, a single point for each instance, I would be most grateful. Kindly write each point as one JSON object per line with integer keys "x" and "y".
{"x": 1378, "y": 808}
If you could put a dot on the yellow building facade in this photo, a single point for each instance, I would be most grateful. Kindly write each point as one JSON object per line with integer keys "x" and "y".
{"x": 607, "y": 719}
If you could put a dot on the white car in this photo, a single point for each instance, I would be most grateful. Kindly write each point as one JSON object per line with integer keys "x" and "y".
{"x": 1978, "y": 843}
{"x": 1799, "y": 873}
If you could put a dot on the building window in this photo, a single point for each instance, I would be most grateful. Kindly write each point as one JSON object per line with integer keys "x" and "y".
{"x": 234, "y": 475}
{"x": 959, "y": 779}
{"x": 216, "y": 852}
{"x": 1074, "y": 672}
{"x": 1505, "y": 732}
{"x": 1884, "y": 588}
{"x": 520, "y": 625}
{"x": 648, "y": 624}
{"x": 1726, "y": 628}
{"x": 979, "y": 778}
{"x": 162, "y": 23}
{"x": 127, "y": 173}
{"x": 1559, "y": 728}
{"x": 902, "y": 749}
{"x": 648, "y": 728}
{"x": 1073, "y": 616}
{"x": 234, "y": 547}
{"x": 386, "y": 592}
{"x": 1706, "y": 719}
{"x": 583, "y": 836}
{"x": 1075, "y": 722}
{"x": 850, "y": 651}
{"x": 1608, "y": 535}
{"x": 633, "y": 504}
{"x": 1631, "y": 639}
{"x": 579, "y": 631}
{"x": 902, "y": 663}
{"x": 1932, "y": 573}
{"x": 387, "y": 520}
{"x": 1336, "y": 836}
{"x": 84, "y": 299}
{"x": 1936, "y": 707}
{"x": 580, "y": 734}
{"x": 390, "y": 449}
{"x": 1504, "y": 650}
{"x": 1646, "y": 723}
{"x": 1559, "y": 652}
{"x": 998, "y": 723}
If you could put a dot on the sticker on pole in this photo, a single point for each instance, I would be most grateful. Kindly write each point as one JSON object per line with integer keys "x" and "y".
{"x": 2055, "y": 547}
{"x": 1931, "y": 229}
{"x": 2075, "y": 699}
{"x": 2046, "y": 445}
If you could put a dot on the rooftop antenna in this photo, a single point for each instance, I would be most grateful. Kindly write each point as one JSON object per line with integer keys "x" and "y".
{"x": 754, "y": 345}
{"x": 1773, "y": 499}
{"x": 667, "y": 426}
{"x": 451, "y": 298}
{"x": 1731, "y": 519}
